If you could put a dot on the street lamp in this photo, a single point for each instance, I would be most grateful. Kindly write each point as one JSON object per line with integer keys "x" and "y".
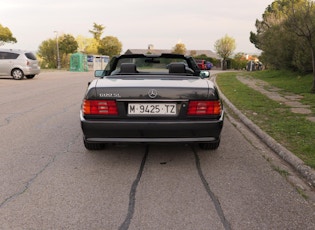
{"x": 58, "y": 56}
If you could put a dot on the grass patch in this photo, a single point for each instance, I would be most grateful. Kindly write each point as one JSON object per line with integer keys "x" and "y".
{"x": 282, "y": 172}
{"x": 292, "y": 130}
{"x": 302, "y": 193}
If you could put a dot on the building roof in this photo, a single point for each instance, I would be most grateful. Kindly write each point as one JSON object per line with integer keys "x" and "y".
{"x": 208, "y": 53}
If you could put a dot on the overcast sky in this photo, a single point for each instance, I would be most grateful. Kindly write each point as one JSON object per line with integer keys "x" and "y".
{"x": 136, "y": 23}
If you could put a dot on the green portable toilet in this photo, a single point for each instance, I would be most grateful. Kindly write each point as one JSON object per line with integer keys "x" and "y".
{"x": 78, "y": 62}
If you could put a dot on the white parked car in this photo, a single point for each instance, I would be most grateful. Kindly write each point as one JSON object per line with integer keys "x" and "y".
{"x": 18, "y": 63}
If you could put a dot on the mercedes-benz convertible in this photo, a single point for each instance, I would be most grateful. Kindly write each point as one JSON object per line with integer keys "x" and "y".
{"x": 151, "y": 99}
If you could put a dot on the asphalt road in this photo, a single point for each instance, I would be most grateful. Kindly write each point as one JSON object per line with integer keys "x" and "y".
{"x": 50, "y": 181}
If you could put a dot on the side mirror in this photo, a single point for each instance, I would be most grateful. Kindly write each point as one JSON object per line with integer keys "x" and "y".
{"x": 204, "y": 74}
{"x": 99, "y": 73}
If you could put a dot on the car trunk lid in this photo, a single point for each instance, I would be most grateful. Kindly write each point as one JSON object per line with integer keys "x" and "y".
{"x": 155, "y": 89}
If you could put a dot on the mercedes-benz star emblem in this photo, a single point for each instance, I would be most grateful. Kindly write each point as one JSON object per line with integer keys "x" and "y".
{"x": 152, "y": 93}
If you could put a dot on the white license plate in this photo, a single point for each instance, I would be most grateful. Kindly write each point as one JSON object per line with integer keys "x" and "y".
{"x": 151, "y": 109}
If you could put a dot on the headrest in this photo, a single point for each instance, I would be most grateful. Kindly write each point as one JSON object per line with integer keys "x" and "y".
{"x": 177, "y": 68}
{"x": 128, "y": 68}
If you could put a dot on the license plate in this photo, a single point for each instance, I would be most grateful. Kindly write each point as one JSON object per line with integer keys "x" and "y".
{"x": 151, "y": 109}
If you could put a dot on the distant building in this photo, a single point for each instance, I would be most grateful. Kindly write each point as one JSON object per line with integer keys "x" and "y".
{"x": 151, "y": 50}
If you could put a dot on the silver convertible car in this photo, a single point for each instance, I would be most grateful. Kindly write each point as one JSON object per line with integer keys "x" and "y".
{"x": 151, "y": 99}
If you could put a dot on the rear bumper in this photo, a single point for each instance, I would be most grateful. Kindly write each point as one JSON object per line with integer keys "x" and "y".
{"x": 147, "y": 131}
{"x": 31, "y": 71}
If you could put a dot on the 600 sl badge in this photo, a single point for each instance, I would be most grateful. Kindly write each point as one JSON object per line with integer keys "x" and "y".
{"x": 109, "y": 95}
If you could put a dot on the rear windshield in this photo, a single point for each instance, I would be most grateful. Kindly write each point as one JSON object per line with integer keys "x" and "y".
{"x": 150, "y": 65}
{"x": 30, "y": 56}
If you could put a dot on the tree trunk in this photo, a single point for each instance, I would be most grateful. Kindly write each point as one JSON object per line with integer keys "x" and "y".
{"x": 313, "y": 65}
{"x": 224, "y": 64}
{"x": 313, "y": 85}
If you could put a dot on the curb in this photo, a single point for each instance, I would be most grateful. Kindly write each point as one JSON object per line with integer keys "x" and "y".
{"x": 307, "y": 172}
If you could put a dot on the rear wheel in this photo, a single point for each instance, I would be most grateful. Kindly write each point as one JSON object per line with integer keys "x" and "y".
{"x": 93, "y": 146}
{"x": 17, "y": 74}
{"x": 210, "y": 145}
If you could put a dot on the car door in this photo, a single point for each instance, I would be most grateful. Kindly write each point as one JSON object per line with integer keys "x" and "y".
{"x": 7, "y": 62}
{"x": 2, "y": 63}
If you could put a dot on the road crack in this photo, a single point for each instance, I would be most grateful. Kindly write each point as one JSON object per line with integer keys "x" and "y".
{"x": 211, "y": 194}
{"x": 132, "y": 195}
{"x": 32, "y": 179}
{"x": 28, "y": 183}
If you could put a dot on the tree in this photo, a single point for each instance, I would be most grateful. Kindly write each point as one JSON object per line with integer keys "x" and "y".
{"x": 286, "y": 36}
{"x": 6, "y": 36}
{"x": 272, "y": 16}
{"x": 110, "y": 46}
{"x": 82, "y": 43}
{"x": 279, "y": 46}
{"x": 301, "y": 22}
{"x": 87, "y": 45}
{"x": 193, "y": 53}
{"x": 97, "y": 31}
{"x": 180, "y": 48}
{"x": 47, "y": 51}
{"x": 239, "y": 61}
{"x": 68, "y": 44}
{"x": 224, "y": 48}
{"x": 92, "y": 47}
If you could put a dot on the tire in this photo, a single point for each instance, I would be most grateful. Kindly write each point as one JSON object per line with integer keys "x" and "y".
{"x": 93, "y": 146}
{"x": 17, "y": 74}
{"x": 30, "y": 76}
{"x": 210, "y": 145}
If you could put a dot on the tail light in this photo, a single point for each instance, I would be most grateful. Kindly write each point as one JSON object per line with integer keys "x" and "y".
{"x": 204, "y": 108}
{"x": 99, "y": 107}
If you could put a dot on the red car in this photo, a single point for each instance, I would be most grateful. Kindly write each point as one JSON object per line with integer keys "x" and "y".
{"x": 201, "y": 64}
